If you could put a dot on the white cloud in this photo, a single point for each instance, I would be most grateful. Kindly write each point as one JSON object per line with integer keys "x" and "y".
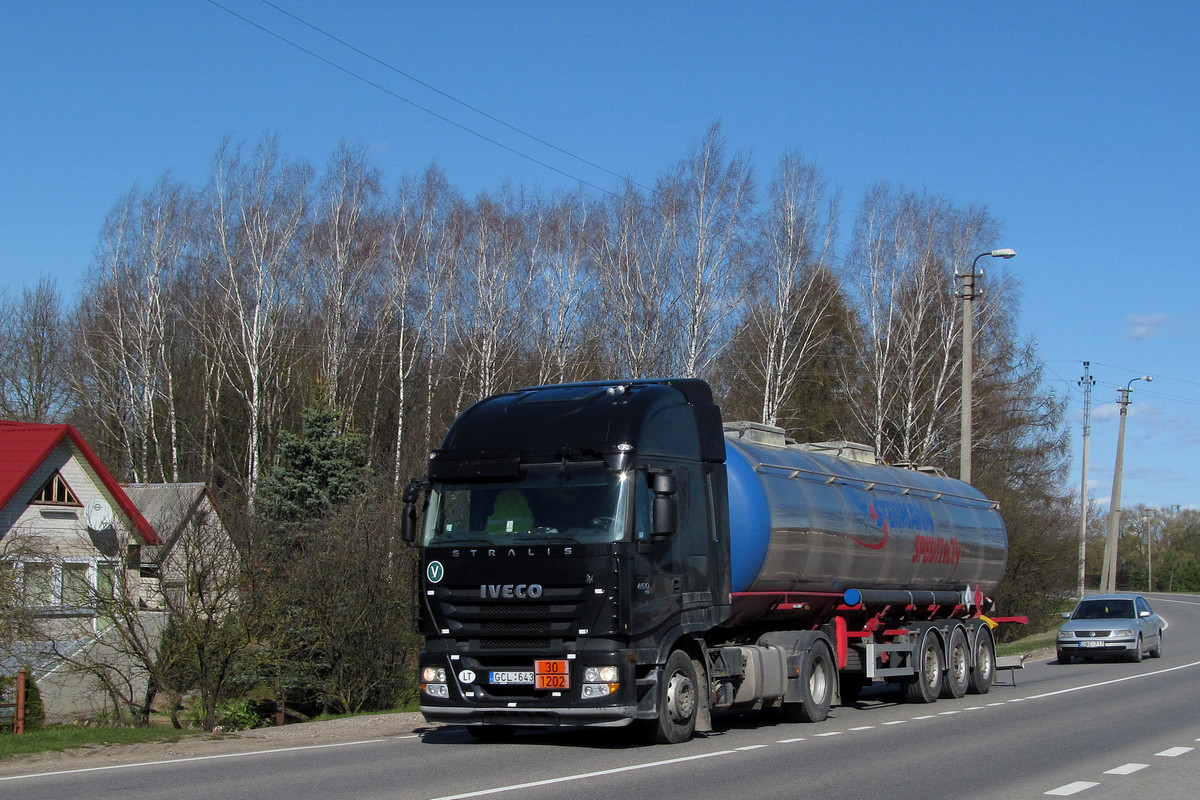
{"x": 1145, "y": 326}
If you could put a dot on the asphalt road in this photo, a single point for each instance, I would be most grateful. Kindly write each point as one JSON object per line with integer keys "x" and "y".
{"x": 1094, "y": 730}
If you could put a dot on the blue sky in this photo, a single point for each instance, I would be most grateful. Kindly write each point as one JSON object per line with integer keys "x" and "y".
{"x": 1075, "y": 123}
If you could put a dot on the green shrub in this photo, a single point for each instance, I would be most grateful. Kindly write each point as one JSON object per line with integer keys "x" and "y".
{"x": 239, "y": 714}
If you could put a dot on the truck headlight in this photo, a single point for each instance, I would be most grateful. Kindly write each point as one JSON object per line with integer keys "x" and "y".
{"x": 436, "y": 690}
{"x": 433, "y": 675}
{"x": 600, "y": 675}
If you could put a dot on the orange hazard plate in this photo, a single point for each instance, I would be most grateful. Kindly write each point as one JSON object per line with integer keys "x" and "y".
{"x": 551, "y": 673}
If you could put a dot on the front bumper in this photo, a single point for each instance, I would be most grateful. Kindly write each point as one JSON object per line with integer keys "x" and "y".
{"x": 1089, "y": 647}
{"x": 606, "y": 717}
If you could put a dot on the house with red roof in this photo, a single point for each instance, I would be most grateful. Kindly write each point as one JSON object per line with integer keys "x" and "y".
{"x": 66, "y": 526}
{"x": 69, "y": 537}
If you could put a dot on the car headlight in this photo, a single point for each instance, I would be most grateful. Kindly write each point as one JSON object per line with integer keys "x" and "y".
{"x": 1066, "y": 634}
{"x": 1125, "y": 632}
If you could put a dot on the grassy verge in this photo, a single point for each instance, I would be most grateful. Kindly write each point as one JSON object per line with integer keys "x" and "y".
{"x": 54, "y": 738}
{"x": 1027, "y": 644}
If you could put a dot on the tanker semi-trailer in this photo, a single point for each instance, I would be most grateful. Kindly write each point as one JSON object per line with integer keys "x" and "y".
{"x": 600, "y": 554}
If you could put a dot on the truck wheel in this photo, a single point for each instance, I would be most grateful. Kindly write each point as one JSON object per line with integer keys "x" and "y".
{"x": 816, "y": 685}
{"x": 983, "y": 671}
{"x": 678, "y": 701}
{"x": 958, "y": 670}
{"x": 925, "y": 685}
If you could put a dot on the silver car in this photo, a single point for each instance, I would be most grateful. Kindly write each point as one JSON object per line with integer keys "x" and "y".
{"x": 1111, "y": 624}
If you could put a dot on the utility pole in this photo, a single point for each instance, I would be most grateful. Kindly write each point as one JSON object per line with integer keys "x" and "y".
{"x": 968, "y": 342}
{"x": 1087, "y": 382}
{"x": 1108, "y": 581}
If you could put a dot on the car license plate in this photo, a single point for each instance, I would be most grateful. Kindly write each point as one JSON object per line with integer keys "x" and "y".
{"x": 509, "y": 677}
{"x": 1091, "y": 644}
{"x": 551, "y": 674}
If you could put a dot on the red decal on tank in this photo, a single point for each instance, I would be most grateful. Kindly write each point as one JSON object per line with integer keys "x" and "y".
{"x": 881, "y": 523}
{"x": 936, "y": 550}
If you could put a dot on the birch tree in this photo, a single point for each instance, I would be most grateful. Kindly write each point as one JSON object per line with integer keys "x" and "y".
{"x": 560, "y": 262}
{"x": 906, "y": 247}
{"x": 708, "y": 198}
{"x": 257, "y": 213}
{"x": 129, "y": 325}
{"x": 634, "y": 273}
{"x": 34, "y": 382}
{"x": 343, "y": 251}
{"x": 794, "y": 285}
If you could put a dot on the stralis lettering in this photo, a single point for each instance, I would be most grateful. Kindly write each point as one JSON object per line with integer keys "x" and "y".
{"x": 493, "y": 552}
{"x": 510, "y": 591}
{"x": 936, "y": 550}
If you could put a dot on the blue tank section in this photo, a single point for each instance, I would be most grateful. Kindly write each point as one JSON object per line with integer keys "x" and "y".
{"x": 804, "y": 521}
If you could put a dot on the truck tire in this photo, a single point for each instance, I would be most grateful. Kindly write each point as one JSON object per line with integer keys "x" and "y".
{"x": 958, "y": 667}
{"x": 679, "y": 700}
{"x": 983, "y": 670}
{"x": 816, "y": 686}
{"x": 927, "y": 683}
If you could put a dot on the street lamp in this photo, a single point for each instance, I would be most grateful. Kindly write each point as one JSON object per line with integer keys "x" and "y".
{"x": 968, "y": 336}
{"x": 1108, "y": 578}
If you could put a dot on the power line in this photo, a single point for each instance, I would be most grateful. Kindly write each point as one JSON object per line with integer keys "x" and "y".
{"x": 447, "y": 95}
{"x": 412, "y": 103}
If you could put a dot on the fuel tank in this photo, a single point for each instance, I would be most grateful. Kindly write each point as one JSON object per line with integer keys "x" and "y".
{"x": 827, "y": 518}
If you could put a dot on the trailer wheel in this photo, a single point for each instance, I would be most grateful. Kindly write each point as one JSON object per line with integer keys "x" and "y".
{"x": 983, "y": 671}
{"x": 678, "y": 701}
{"x": 958, "y": 670}
{"x": 816, "y": 685}
{"x": 925, "y": 685}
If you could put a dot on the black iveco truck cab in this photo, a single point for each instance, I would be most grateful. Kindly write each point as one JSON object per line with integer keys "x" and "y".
{"x": 574, "y": 550}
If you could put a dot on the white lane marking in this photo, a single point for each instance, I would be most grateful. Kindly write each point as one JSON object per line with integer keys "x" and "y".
{"x": 750, "y": 747}
{"x": 863, "y": 728}
{"x": 1126, "y": 769}
{"x": 896, "y": 722}
{"x": 790, "y": 741}
{"x": 194, "y": 758}
{"x": 1175, "y": 751}
{"x": 1139, "y": 676}
{"x": 1072, "y": 788}
{"x": 831, "y": 733}
{"x": 584, "y": 776}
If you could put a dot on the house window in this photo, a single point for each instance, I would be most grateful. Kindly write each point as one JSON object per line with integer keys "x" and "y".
{"x": 76, "y": 591}
{"x": 37, "y": 584}
{"x": 56, "y": 492}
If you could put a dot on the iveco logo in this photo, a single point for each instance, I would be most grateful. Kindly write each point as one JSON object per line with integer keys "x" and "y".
{"x": 509, "y": 591}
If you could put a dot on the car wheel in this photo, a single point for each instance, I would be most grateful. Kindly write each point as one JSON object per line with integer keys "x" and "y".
{"x": 1136, "y": 655}
{"x": 1064, "y": 657}
{"x": 1156, "y": 651}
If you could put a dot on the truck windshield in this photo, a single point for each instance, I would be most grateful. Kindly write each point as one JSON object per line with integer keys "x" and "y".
{"x": 548, "y": 503}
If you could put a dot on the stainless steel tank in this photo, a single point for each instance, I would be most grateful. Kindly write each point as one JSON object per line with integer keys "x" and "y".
{"x": 803, "y": 520}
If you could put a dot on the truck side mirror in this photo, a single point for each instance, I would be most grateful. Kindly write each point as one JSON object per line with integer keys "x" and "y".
{"x": 666, "y": 508}
{"x": 408, "y": 514}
